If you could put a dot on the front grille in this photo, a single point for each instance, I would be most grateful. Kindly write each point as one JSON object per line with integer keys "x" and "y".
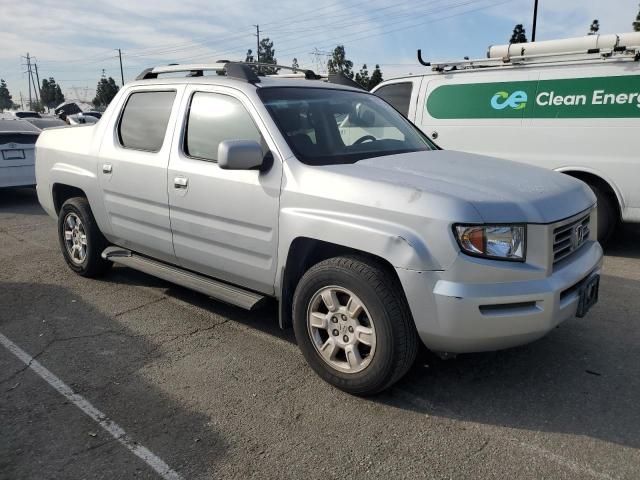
{"x": 570, "y": 237}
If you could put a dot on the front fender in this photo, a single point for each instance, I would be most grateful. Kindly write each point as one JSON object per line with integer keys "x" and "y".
{"x": 399, "y": 245}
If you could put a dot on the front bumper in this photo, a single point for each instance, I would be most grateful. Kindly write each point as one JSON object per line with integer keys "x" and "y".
{"x": 461, "y": 317}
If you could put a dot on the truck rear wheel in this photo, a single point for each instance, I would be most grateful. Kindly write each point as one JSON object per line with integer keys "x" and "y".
{"x": 80, "y": 238}
{"x": 353, "y": 324}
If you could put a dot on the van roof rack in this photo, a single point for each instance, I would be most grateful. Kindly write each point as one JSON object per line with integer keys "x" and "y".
{"x": 246, "y": 71}
{"x": 592, "y": 47}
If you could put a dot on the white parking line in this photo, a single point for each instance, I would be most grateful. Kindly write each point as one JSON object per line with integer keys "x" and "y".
{"x": 110, "y": 426}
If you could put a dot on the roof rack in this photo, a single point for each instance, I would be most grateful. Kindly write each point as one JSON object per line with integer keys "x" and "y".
{"x": 247, "y": 71}
{"x": 632, "y": 53}
{"x": 594, "y": 47}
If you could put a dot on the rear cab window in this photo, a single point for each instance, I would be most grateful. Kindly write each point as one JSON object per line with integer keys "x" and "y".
{"x": 398, "y": 95}
{"x": 144, "y": 119}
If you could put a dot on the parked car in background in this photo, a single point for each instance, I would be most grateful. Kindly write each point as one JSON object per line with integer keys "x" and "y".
{"x": 26, "y": 114}
{"x": 93, "y": 113}
{"x": 371, "y": 238}
{"x": 17, "y": 153}
{"x": 46, "y": 122}
{"x": 81, "y": 119}
{"x": 568, "y": 105}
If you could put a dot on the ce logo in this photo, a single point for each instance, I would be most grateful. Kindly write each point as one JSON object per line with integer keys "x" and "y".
{"x": 517, "y": 100}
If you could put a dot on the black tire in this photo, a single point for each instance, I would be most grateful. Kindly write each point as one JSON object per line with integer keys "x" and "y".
{"x": 608, "y": 217}
{"x": 379, "y": 290}
{"x": 92, "y": 265}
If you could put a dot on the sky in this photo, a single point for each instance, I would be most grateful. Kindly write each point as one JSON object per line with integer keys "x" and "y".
{"x": 74, "y": 41}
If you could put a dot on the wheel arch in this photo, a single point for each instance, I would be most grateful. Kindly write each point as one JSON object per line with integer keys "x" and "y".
{"x": 62, "y": 192}
{"x": 593, "y": 177}
{"x": 303, "y": 253}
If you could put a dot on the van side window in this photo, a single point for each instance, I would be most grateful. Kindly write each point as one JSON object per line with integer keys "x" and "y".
{"x": 213, "y": 118}
{"x": 144, "y": 120}
{"x": 398, "y": 95}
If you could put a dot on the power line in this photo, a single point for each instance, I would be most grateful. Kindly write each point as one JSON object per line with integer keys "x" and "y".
{"x": 157, "y": 52}
{"x": 404, "y": 27}
{"x": 319, "y": 23}
{"x": 174, "y": 49}
{"x": 88, "y": 59}
{"x": 321, "y": 28}
{"x": 307, "y": 17}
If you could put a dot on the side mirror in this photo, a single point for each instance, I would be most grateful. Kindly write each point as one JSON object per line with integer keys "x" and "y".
{"x": 240, "y": 155}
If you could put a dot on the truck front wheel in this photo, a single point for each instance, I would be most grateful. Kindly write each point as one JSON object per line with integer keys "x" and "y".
{"x": 80, "y": 238}
{"x": 353, "y": 324}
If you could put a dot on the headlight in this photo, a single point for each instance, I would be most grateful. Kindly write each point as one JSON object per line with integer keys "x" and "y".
{"x": 499, "y": 242}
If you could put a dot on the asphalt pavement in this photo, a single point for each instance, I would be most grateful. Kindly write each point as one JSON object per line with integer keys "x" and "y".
{"x": 212, "y": 391}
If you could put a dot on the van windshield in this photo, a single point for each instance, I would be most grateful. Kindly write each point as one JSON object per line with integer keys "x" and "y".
{"x": 325, "y": 126}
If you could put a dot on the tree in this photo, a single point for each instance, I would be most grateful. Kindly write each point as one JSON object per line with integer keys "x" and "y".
{"x": 636, "y": 23}
{"x": 267, "y": 54}
{"x": 5, "y": 96}
{"x": 35, "y": 106}
{"x": 50, "y": 93}
{"x": 105, "y": 91}
{"x": 594, "y": 28}
{"x": 249, "y": 57}
{"x": 295, "y": 65}
{"x": 339, "y": 63}
{"x": 376, "y": 77}
{"x": 519, "y": 35}
{"x": 362, "y": 77}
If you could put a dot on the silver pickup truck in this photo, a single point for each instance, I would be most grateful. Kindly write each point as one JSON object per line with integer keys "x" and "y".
{"x": 324, "y": 197}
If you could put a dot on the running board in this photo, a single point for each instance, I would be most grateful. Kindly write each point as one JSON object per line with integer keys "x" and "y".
{"x": 219, "y": 290}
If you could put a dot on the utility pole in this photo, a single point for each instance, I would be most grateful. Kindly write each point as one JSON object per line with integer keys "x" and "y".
{"x": 321, "y": 65}
{"x": 257, "y": 43}
{"x": 535, "y": 20}
{"x": 121, "y": 72}
{"x": 35, "y": 88}
{"x": 37, "y": 76}
{"x": 21, "y": 101}
{"x": 29, "y": 80}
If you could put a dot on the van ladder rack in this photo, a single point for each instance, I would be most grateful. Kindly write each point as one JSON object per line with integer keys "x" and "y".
{"x": 632, "y": 53}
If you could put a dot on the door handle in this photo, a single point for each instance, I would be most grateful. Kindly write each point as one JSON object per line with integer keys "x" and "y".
{"x": 107, "y": 168}
{"x": 181, "y": 182}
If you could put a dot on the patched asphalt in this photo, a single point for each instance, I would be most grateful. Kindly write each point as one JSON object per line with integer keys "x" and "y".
{"x": 217, "y": 392}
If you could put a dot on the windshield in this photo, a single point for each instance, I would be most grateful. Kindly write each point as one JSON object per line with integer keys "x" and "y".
{"x": 324, "y": 126}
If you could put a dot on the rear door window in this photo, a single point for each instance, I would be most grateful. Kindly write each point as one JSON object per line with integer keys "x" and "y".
{"x": 144, "y": 120}
{"x": 213, "y": 118}
{"x": 398, "y": 95}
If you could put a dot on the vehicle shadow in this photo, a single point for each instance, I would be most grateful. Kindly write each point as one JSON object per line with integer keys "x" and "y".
{"x": 625, "y": 242}
{"x": 23, "y": 201}
{"x": 102, "y": 361}
{"x": 263, "y": 319}
{"x": 582, "y": 379}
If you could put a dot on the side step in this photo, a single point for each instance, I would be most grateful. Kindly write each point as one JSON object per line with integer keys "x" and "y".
{"x": 219, "y": 290}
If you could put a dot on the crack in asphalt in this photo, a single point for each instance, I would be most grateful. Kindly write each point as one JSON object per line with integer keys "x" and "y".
{"x": 122, "y": 332}
{"x": 133, "y": 309}
{"x": 26, "y": 366}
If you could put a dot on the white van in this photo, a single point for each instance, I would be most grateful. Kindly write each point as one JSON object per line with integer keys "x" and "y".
{"x": 570, "y": 105}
